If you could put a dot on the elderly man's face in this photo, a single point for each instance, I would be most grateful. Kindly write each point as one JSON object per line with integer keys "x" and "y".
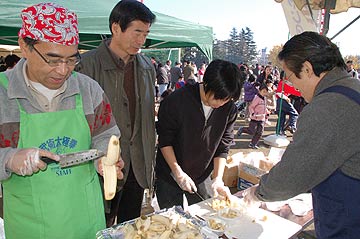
{"x": 131, "y": 40}
{"x": 38, "y": 70}
{"x": 307, "y": 81}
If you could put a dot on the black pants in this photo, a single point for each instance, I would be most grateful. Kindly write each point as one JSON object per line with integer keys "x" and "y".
{"x": 256, "y": 129}
{"x": 126, "y": 204}
{"x": 169, "y": 195}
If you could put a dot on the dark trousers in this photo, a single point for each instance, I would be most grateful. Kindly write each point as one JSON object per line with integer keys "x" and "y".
{"x": 256, "y": 129}
{"x": 169, "y": 195}
{"x": 172, "y": 85}
{"x": 126, "y": 204}
{"x": 336, "y": 204}
{"x": 286, "y": 109}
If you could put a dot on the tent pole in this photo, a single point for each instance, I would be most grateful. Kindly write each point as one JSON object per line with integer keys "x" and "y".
{"x": 348, "y": 25}
{"x": 179, "y": 54}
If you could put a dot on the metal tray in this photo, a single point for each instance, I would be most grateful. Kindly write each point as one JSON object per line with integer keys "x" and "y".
{"x": 114, "y": 232}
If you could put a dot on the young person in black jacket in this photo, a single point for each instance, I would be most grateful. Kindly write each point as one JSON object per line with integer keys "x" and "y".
{"x": 195, "y": 131}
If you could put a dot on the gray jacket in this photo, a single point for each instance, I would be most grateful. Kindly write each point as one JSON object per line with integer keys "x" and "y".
{"x": 94, "y": 104}
{"x": 327, "y": 139}
{"x": 137, "y": 145}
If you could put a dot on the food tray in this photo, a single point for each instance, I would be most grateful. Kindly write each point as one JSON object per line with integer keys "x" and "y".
{"x": 114, "y": 232}
{"x": 255, "y": 223}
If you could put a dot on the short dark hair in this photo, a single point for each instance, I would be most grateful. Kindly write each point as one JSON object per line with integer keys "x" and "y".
{"x": 252, "y": 78}
{"x": 223, "y": 79}
{"x": 11, "y": 60}
{"x": 127, "y": 11}
{"x": 267, "y": 81}
{"x": 263, "y": 86}
{"x": 30, "y": 42}
{"x": 313, "y": 47}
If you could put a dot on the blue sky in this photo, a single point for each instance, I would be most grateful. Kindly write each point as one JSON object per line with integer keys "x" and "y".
{"x": 264, "y": 17}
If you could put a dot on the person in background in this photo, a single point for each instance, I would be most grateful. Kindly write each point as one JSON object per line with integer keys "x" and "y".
{"x": 350, "y": 69}
{"x": 156, "y": 86}
{"x": 128, "y": 78}
{"x": 168, "y": 67}
{"x": 11, "y": 60}
{"x": 250, "y": 90}
{"x": 244, "y": 72}
{"x": 256, "y": 70}
{"x": 2, "y": 67}
{"x": 298, "y": 102}
{"x": 283, "y": 102}
{"x": 176, "y": 74}
{"x": 154, "y": 62}
{"x": 46, "y": 110}
{"x": 189, "y": 73}
{"x": 180, "y": 83}
{"x": 162, "y": 78}
{"x": 275, "y": 75}
{"x": 270, "y": 99}
{"x": 193, "y": 149}
{"x": 324, "y": 155}
{"x": 265, "y": 75}
{"x": 201, "y": 72}
{"x": 258, "y": 112}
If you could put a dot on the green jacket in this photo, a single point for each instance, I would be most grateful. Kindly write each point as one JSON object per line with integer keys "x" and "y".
{"x": 137, "y": 145}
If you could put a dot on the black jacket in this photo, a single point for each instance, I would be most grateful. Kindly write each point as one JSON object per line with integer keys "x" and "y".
{"x": 196, "y": 142}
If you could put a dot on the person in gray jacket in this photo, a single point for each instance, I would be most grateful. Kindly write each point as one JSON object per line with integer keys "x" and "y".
{"x": 128, "y": 78}
{"x": 176, "y": 74}
{"x": 324, "y": 156}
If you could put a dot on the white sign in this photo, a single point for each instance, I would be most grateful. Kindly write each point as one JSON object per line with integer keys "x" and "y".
{"x": 300, "y": 20}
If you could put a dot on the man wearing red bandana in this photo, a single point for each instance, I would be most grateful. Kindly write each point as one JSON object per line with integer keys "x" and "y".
{"x": 51, "y": 110}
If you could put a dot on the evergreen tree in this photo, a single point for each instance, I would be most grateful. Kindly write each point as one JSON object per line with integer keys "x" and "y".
{"x": 219, "y": 49}
{"x": 250, "y": 50}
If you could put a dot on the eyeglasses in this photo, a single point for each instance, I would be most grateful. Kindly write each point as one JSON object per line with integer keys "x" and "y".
{"x": 57, "y": 62}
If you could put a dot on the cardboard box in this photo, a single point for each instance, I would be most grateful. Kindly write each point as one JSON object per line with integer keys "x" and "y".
{"x": 231, "y": 170}
{"x": 256, "y": 164}
{"x": 249, "y": 175}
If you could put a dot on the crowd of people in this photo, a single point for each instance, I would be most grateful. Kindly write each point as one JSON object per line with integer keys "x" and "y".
{"x": 56, "y": 101}
{"x": 266, "y": 92}
{"x": 175, "y": 76}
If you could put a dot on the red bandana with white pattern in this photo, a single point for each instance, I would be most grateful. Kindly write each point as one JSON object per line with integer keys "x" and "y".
{"x": 50, "y": 22}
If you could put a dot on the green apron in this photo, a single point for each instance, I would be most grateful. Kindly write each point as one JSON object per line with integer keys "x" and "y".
{"x": 55, "y": 203}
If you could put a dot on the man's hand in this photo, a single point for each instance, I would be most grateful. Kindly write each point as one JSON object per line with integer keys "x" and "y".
{"x": 249, "y": 197}
{"x": 119, "y": 166}
{"x": 219, "y": 188}
{"x": 184, "y": 181}
{"x": 28, "y": 161}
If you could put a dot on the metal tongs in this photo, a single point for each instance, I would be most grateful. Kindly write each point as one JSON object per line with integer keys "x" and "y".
{"x": 71, "y": 159}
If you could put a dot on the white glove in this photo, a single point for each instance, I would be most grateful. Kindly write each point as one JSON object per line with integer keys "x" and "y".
{"x": 219, "y": 188}
{"x": 27, "y": 161}
{"x": 184, "y": 181}
{"x": 249, "y": 197}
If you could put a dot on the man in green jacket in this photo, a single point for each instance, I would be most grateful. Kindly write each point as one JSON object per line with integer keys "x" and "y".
{"x": 128, "y": 78}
